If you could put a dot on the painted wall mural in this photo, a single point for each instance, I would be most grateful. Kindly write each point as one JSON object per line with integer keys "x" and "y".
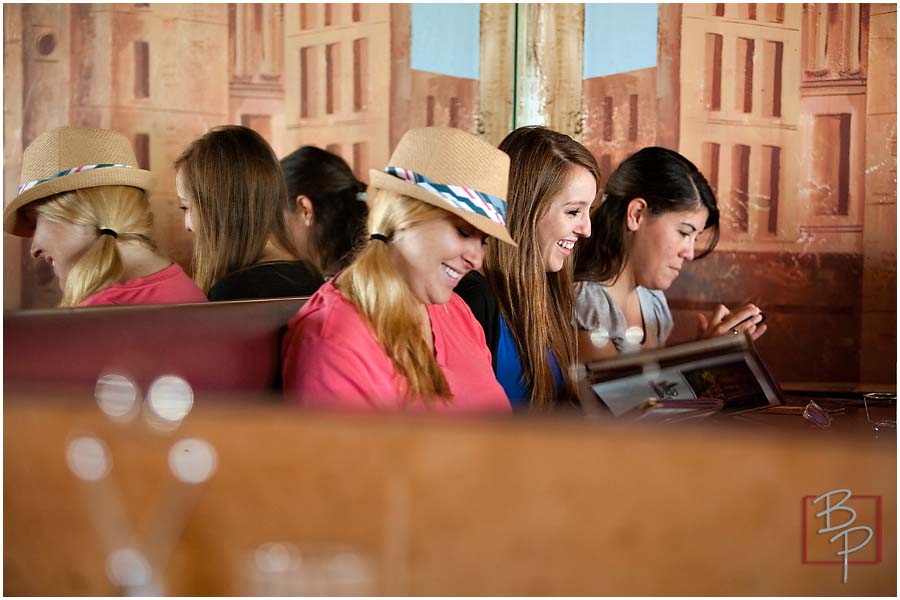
{"x": 338, "y": 76}
{"x": 778, "y": 106}
{"x": 788, "y": 109}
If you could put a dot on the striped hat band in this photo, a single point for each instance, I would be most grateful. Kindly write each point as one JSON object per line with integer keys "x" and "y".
{"x": 27, "y": 186}
{"x": 480, "y": 203}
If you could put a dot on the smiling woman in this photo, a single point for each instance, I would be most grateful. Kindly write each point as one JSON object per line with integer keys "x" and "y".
{"x": 388, "y": 331}
{"x": 83, "y": 201}
{"x": 524, "y": 301}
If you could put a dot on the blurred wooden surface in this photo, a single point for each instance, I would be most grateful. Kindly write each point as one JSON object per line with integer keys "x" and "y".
{"x": 454, "y": 507}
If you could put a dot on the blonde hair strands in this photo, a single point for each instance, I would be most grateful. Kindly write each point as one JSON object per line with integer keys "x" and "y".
{"x": 123, "y": 209}
{"x": 380, "y": 294}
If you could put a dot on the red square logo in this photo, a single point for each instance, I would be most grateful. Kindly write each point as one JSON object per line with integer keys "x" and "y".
{"x": 839, "y": 525}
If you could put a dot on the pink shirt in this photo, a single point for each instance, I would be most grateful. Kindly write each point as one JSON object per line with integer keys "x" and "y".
{"x": 169, "y": 286}
{"x": 330, "y": 359}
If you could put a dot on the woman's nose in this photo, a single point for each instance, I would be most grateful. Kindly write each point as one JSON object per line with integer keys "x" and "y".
{"x": 474, "y": 254}
{"x": 584, "y": 228}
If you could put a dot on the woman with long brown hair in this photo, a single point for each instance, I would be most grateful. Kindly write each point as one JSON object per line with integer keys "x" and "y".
{"x": 525, "y": 300}
{"x": 232, "y": 192}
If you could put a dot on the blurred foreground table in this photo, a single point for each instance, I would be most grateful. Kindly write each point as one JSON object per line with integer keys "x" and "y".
{"x": 521, "y": 506}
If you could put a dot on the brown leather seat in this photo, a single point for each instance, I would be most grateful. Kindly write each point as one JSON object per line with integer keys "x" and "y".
{"x": 220, "y": 346}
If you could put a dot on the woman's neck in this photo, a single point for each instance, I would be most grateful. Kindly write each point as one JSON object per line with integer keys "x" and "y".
{"x": 272, "y": 253}
{"x": 138, "y": 260}
{"x": 624, "y": 288}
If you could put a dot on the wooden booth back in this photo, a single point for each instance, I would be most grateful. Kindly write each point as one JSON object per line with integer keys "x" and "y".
{"x": 231, "y": 347}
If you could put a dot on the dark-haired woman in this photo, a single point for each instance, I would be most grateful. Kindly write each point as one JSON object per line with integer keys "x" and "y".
{"x": 326, "y": 207}
{"x": 655, "y": 206}
{"x": 232, "y": 193}
{"x": 524, "y": 301}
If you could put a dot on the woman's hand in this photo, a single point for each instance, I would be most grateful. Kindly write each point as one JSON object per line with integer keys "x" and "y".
{"x": 725, "y": 322}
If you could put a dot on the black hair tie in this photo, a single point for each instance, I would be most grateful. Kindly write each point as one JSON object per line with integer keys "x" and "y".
{"x": 108, "y": 231}
{"x": 379, "y": 237}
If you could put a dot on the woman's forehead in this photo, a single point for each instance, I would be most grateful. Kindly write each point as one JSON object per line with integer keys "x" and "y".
{"x": 697, "y": 214}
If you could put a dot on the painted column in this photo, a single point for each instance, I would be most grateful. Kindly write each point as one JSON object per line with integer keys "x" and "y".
{"x": 549, "y": 65}
{"x": 497, "y": 71}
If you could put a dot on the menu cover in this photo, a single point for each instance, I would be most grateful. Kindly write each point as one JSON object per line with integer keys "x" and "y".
{"x": 722, "y": 374}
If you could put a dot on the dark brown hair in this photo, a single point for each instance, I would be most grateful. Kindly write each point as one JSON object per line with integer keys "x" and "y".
{"x": 339, "y": 211}
{"x": 668, "y": 182}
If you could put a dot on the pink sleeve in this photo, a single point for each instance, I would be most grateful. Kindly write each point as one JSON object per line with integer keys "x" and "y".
{"x": 319, "y": 373}
{"x": 96, "y": 299}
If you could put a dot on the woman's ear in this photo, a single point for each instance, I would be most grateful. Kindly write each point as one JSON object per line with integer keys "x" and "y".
{"x": 636, "y": 213}
{"x": 305, "y": 208}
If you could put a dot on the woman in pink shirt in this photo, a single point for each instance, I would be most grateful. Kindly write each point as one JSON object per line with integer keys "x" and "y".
{"x": 83, "y": 202}
{"x": 388, "y": 332}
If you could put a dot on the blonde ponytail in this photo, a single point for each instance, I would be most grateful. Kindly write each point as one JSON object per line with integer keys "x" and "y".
{"x": 377, "y": 290}
{"x": 123, "y": 209}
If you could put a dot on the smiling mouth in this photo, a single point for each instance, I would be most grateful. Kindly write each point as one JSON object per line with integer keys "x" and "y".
{"x": 566, "y": 244}
{"x": 452, "y": 273}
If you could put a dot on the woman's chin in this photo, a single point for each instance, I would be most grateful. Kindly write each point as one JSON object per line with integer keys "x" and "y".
{"x": 660, "y": 284}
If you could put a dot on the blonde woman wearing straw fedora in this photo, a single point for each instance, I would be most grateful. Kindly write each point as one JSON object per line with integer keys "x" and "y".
{"x": 388, "y": 332}
{"x": 525, "y": 300}
{"x": 83, "y": 201}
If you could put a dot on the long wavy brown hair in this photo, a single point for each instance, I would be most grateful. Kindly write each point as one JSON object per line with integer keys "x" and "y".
{"x": 236, "y": 190}
{"x": 538, "y": 306}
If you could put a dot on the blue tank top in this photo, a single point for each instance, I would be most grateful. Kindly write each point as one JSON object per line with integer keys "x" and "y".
{"x": 509, "y": 369}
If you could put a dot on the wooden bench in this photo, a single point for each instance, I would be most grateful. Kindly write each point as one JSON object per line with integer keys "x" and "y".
{"x": 232, "y": 347}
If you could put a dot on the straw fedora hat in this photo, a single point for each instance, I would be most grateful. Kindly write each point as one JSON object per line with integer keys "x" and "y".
{"x": 72, "y": 158}
{"x": 453, "y": 170}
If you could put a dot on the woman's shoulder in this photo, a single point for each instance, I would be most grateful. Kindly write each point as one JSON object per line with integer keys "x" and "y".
{"x": 586, "y": 291}
{"x": 327, "y": 314}
{"x": 170, "y": 285}
{"x": 278, "y": 279}
{"x": 594, "y": 307}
